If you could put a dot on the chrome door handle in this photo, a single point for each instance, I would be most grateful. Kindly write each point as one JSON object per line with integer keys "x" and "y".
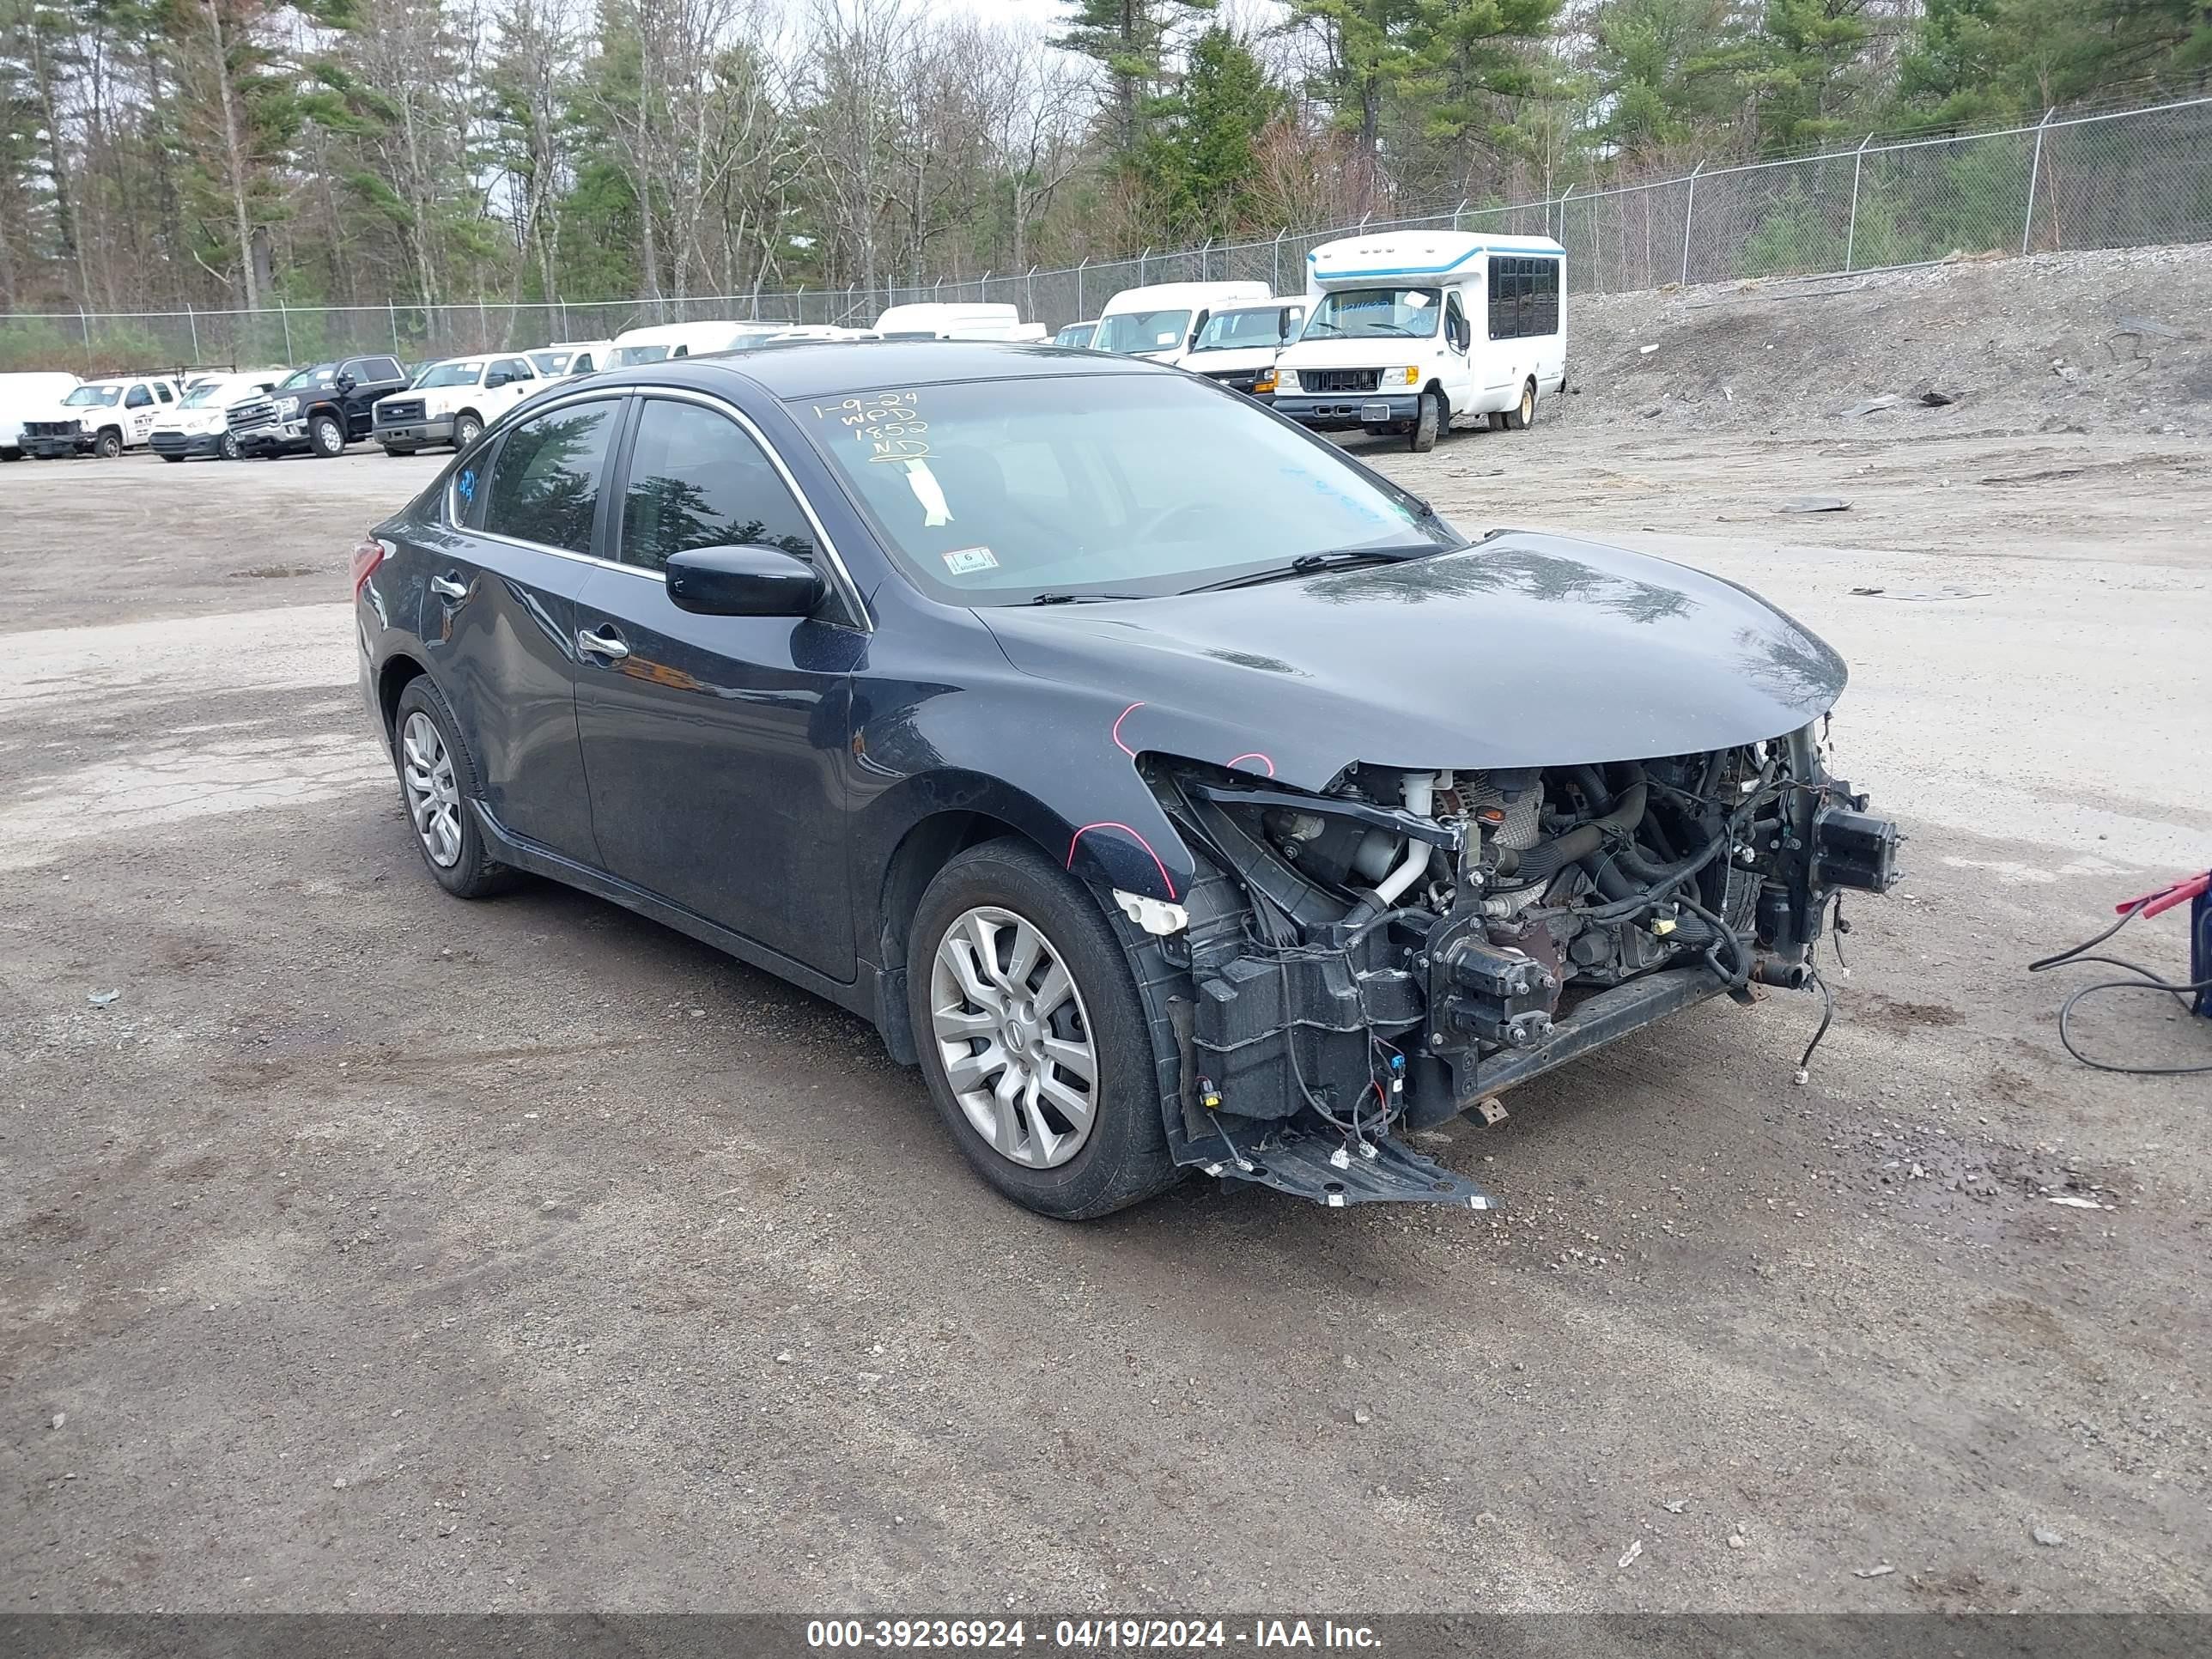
{"x": 447, "y": 588}
{"x": 605, "y": 643}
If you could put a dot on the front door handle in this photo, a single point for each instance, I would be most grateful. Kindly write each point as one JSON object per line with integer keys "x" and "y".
{"x": 605, "y": 643}
{"x": 449, "y": 586}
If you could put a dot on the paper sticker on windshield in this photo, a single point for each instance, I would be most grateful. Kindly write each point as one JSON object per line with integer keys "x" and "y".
{"x": 1167, "y": 339}
{"x": 1413, "y": 299}
{"x": 967, "y": 561}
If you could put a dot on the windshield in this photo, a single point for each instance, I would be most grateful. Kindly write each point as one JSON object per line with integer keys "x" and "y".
{"x": 549, "y": 363}
{"x": 1228, "y": 330}
{"x": 323, "y": 374}
{"x": 992, "y": 492}
{"x": 209, "y": 391}
{"x": 91, "y": 396}
{"x": 1130, "y": 332}
{"x": 1075, "y": 334}
{"x": 1359, "y": 313}
{"x": 450, "y": 374}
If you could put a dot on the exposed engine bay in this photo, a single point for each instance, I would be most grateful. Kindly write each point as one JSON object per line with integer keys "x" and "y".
{"x": 1404, "y": 945}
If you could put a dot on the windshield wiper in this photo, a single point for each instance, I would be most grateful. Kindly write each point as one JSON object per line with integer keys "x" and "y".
{"x": 1343, "y": 558}
{"x": 1081, "y": 599}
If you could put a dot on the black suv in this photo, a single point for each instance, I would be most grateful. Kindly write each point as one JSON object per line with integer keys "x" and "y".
{"x": 319, "y": 410}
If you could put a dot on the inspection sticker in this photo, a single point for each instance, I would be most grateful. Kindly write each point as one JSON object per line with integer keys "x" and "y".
{"x": 966, "y": 561}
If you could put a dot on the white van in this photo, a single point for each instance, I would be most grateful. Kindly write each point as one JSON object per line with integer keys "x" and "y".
{"x": 1239, "y": 343}
{"x": 564, "y": 358}
{"x": 1415, "y": 329}
{"x": 22, "y": 394}
{"x": 666, "y": 341}
{"x": 928, "y": 320}
{"x": 200, "y": 423}
{"x": 452, "y": 402}
{"x": 1164, "y": 321}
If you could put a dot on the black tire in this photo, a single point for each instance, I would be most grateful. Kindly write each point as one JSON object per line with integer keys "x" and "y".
{"x": 172, "y": 457}
{"x": 108, "y": 445}
{"x": 467, "y": 429}
{"x": 11, "y": 455}
{"x": 400, "y": 449}
{"x": 326, "y": 437}
{"x": 474, "y": 874}
{"x": 1523, "y": 414}
{"x": 229, "y": 449}
{"x": 1126, "y": 1158}
{"x": 1427, "y": 424}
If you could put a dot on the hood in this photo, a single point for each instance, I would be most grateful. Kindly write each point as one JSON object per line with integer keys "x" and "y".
{"x": 1375, "y": 351}
{"x": 1239, "y": 359}
{"x": 1525, "y": 650}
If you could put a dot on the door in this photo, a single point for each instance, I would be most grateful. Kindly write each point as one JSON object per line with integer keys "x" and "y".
{"x": 507, "y": 382}
{"x": 498, "y": 621}
{"x": 139, "y": 408}
{"x": 372, "y": 377}
{"x": 715, "y": 746}
{"x": 1458, "y": 344}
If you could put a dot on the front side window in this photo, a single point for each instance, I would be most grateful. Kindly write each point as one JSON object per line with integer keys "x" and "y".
{"x": 1241, "y": 331}
{"x": 544, "y": 482}
{"x": 994, "y": 492}
{"x": 321, "y": 374}
{"x": 1362, "y": 314}
{"x": 1141, "y": 332}
{"x": 1455, "y": 330}
{"x": 1075, "y": 334}
{"x": 697, "y": 479}
{"x": 630, "y": 357}
{"x": 511, "y": 368}
{"x": 139, "y": 399}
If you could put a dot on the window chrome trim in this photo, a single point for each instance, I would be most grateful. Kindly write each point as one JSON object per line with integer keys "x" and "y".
{"x": 849, "y": 590}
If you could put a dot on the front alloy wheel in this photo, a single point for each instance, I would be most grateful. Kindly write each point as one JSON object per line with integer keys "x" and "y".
{"x": 228, "y": 449}
{"x": 1042, "y": 1052}
{"x": 1013, "y": 1038}
{"x": 466, "y": 430}
{"x": 326, "y": 436}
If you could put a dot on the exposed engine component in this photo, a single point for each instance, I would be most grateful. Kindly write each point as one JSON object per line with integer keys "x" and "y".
{"x": 1405, "y": 943}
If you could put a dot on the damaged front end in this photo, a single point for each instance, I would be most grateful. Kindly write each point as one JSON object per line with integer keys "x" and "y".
{"x": 1404, "y": 945}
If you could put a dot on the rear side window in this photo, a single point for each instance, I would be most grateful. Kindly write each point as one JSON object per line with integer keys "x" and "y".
{"x": 544, "y": 482}
{"x": 1524, "y": 296}
{"x": 162, "y": 392}
{"x": 697, "y": 479}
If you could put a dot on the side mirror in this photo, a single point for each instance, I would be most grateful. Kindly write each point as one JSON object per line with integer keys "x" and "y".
{"x": 744, "y": 581}
{"x": 496, "y": 378}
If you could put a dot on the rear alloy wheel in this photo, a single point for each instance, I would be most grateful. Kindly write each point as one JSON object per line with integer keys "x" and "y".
{"x": 435, "y": 781}
{"x": 228, "y": 449}
{"x": 326, "y": 436}
{"x": 1032, "y": 1036}
{"x": 1427, "y": 424}
{"x": 466, "y": 430}
{"x": 108, "y": 445}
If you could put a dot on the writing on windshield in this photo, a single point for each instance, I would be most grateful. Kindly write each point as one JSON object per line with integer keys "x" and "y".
{"x": 1359, "y": 313}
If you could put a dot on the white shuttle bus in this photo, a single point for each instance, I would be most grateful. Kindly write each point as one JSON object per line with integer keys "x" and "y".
{"x": 1412, "y": 330}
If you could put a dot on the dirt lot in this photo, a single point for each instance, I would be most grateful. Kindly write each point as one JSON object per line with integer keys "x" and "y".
{"x": 373, "y": 1251}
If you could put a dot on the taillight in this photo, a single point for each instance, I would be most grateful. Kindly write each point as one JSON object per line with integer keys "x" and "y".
{"x": 365, "y": 557}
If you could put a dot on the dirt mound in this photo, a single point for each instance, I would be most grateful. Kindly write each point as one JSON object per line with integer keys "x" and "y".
{"x": 2107, "y": 341}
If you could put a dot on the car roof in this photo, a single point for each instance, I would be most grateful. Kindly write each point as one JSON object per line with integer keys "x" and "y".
{"x": 815, "y": 369}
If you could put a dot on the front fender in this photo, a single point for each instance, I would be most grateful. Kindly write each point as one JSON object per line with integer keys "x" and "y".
{"x": 1043, "y": 759}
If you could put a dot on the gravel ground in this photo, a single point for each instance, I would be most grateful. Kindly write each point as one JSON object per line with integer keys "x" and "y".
{"x": 370, "y": 1250}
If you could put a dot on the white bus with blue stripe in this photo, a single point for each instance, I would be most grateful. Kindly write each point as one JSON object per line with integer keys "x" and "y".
{"x": 1412, "y": 331}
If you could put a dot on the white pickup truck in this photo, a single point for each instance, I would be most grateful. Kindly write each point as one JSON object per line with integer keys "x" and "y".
{"x": 452, "y": 402}
{"x": 101, "y": 418}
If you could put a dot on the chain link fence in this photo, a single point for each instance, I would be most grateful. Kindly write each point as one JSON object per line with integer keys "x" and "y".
{"x": 2118, "y": 178}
